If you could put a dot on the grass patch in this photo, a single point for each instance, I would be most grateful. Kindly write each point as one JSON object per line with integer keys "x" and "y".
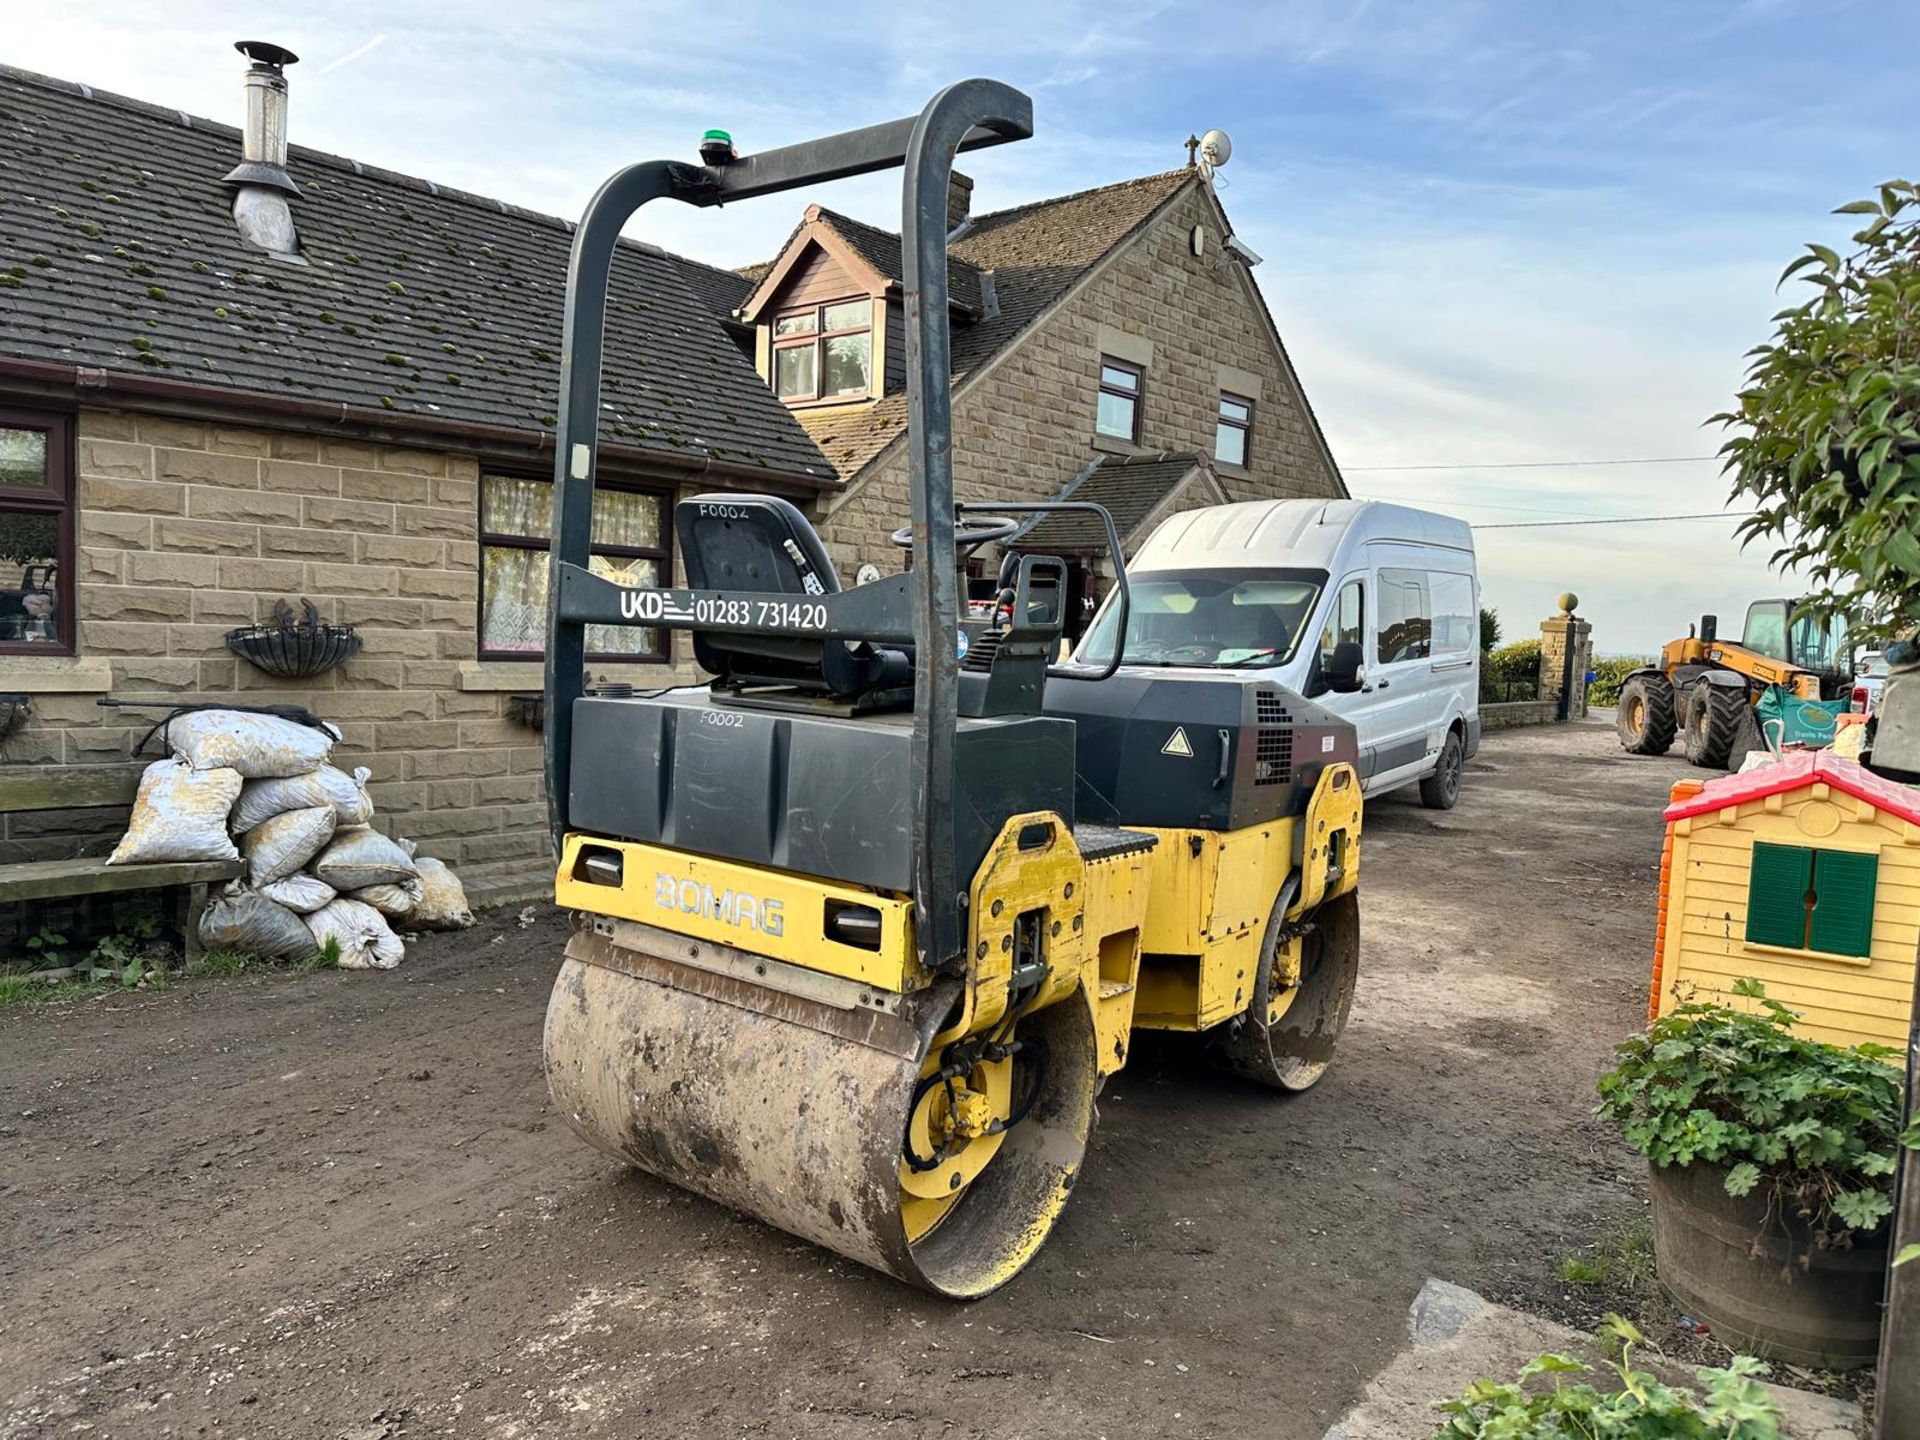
{"x": 1582, "y": 1269}
{"x": 1617, "y": 1274}
{"x": 327, "y": 957}
{"x": 19, "y": 992}
{"x": 220, "y": 962}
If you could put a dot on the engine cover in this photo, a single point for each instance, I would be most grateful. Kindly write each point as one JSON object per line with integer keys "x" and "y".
{"x": 1206, "y": 750}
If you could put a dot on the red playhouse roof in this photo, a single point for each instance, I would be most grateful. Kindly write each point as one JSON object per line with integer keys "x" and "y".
{"x": 1795, "y": 772}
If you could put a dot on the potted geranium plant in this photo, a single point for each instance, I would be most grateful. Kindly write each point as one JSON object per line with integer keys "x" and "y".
{"x": 1772, "y": 1160}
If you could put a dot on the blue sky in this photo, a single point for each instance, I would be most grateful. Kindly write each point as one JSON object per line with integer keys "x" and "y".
{"x": 1494, "y": 232}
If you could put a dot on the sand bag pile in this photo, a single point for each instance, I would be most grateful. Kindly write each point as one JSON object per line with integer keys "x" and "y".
{"x": 319, "y": 877}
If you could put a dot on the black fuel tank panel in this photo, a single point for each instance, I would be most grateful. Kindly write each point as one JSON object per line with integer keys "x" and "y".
{"x": 1211, "y": 751}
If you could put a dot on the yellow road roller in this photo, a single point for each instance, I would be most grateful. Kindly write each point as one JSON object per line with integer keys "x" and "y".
{"x": 862, "y": 925}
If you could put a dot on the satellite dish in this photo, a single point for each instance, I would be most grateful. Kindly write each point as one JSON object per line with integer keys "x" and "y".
{"x": 1216, "y": 148}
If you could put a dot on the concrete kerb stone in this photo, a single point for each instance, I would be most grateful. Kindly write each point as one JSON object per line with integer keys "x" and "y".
{"x": 1456, "y": 1336}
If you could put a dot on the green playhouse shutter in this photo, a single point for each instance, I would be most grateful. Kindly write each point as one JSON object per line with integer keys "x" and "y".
{"x": 1844, "y": 881}
{"x": 1777, "y": 895}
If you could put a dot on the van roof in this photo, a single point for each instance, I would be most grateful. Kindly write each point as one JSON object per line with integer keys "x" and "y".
{"x": 1303, "y": 533}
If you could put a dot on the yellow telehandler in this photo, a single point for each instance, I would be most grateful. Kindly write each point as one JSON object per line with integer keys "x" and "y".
{"x": 1704, "y": 688}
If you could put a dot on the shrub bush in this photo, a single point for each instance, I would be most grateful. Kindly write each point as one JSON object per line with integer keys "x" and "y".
{"x": 1610, "y": 675}
{"x": 1518, "y": 661}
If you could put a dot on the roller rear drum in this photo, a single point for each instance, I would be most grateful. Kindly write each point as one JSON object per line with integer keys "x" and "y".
{"x": 1287, "y": 1036}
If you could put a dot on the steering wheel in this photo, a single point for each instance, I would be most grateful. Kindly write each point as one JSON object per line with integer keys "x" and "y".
{"x": 969, "y": 532}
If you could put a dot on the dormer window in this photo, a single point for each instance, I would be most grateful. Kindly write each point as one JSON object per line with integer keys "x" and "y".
{"x": 823, "y": 352}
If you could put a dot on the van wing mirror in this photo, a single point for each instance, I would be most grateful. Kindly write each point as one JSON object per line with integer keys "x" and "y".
{"x": 1341, "y": 669}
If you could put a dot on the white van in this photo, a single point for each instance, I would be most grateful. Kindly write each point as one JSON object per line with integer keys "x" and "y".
{"x": 1370, "y": 609}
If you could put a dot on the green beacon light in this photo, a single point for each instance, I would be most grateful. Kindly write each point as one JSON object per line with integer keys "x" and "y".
{"x": 716, "y": 148}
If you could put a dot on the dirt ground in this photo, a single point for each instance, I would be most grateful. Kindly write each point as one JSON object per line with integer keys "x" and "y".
{"x": 339, "y": 1205}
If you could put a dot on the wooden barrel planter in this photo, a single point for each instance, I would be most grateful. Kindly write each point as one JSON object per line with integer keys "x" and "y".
{"x": 1757, "y": 1297}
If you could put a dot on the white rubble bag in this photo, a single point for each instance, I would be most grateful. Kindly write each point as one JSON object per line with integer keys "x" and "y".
{"x": 361, "y": 856}
{"x": 258, "y": 746}
{"x": 443, "y": 899}
{"x": 242, "y": 920}
{"x": 302, "y": 894}
{"x": 395, "y": 901}
{"x": 281, "y": 846}
{"x": 180, "y": 813}
{"x": 347, "y": 794}
{"x": 365, "y": 941}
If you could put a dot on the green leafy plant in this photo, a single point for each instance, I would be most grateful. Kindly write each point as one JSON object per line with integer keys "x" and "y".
{"x": 1815, "y": 1127}
{"x": 1826, "y": 432}
{"x": 47, "y": 949}
{"x": 1489, "y": 628}
{"x": 1610, "y": 674}
{"x": 1518, "y": 661}
{"x": 1734, "y": 1405}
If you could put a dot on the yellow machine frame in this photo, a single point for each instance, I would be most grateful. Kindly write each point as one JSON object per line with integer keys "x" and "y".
{"x": 1196, "y": 907}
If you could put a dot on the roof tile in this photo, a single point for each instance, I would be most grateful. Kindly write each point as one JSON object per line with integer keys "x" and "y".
{"x": 119, "y": 251}
{"x": 1131, "y": 488}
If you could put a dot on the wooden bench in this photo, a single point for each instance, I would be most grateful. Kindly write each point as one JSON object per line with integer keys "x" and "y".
{"x": 34, "y": 788}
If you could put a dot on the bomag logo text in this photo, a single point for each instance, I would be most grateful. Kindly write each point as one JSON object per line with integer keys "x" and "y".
{"x": 729, "y": 907}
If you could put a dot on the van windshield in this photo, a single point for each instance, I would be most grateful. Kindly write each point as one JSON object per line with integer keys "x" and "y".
{"x": 1208, "y": 619}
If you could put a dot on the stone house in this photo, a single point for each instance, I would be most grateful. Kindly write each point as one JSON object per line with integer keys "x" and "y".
{"x": 229, "y": 379}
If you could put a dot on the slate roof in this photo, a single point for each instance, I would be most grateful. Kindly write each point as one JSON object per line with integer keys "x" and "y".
{"x": 118, "y": 250}
{"x": 1037, "y": 253}
{"x": 721, "y": 291}
{"x": 1131, "y": 487}
{"x": 881, "y": 250}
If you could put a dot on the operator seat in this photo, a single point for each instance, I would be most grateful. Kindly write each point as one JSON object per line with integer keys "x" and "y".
{"x": 761, "y": 544}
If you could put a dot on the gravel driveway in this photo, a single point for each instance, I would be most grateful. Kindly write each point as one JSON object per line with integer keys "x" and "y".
{"x": 339, "y": 1205}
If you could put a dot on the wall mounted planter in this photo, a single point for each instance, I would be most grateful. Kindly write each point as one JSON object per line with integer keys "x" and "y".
{"x": 285, "y": 647}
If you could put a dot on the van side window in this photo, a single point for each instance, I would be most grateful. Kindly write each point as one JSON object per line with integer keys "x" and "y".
{"x": 1406, "y": 616}
{"x": 1346, "y": 622}
{"x": 1456, "y": 622}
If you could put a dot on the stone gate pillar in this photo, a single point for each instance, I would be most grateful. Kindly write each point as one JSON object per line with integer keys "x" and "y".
{"x": 1556, "y": 634}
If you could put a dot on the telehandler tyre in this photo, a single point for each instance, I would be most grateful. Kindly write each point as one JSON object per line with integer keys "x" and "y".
{"x": 1713, "y": 720}
{"x": 1646, "y": 719}
{"x": 1286, "y": 1037}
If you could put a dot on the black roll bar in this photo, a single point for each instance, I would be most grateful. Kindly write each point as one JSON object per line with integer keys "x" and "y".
{"x": 967, "y": 116}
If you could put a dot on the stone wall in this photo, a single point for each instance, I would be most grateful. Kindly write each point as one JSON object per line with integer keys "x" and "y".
{"x": 1024, "y": 427}
{"x": 187, "y": 529}
{"x": 1514, "y": 714}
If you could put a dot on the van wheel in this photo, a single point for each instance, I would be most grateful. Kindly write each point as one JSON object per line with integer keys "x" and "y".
{"x": 1441, "y": 790}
